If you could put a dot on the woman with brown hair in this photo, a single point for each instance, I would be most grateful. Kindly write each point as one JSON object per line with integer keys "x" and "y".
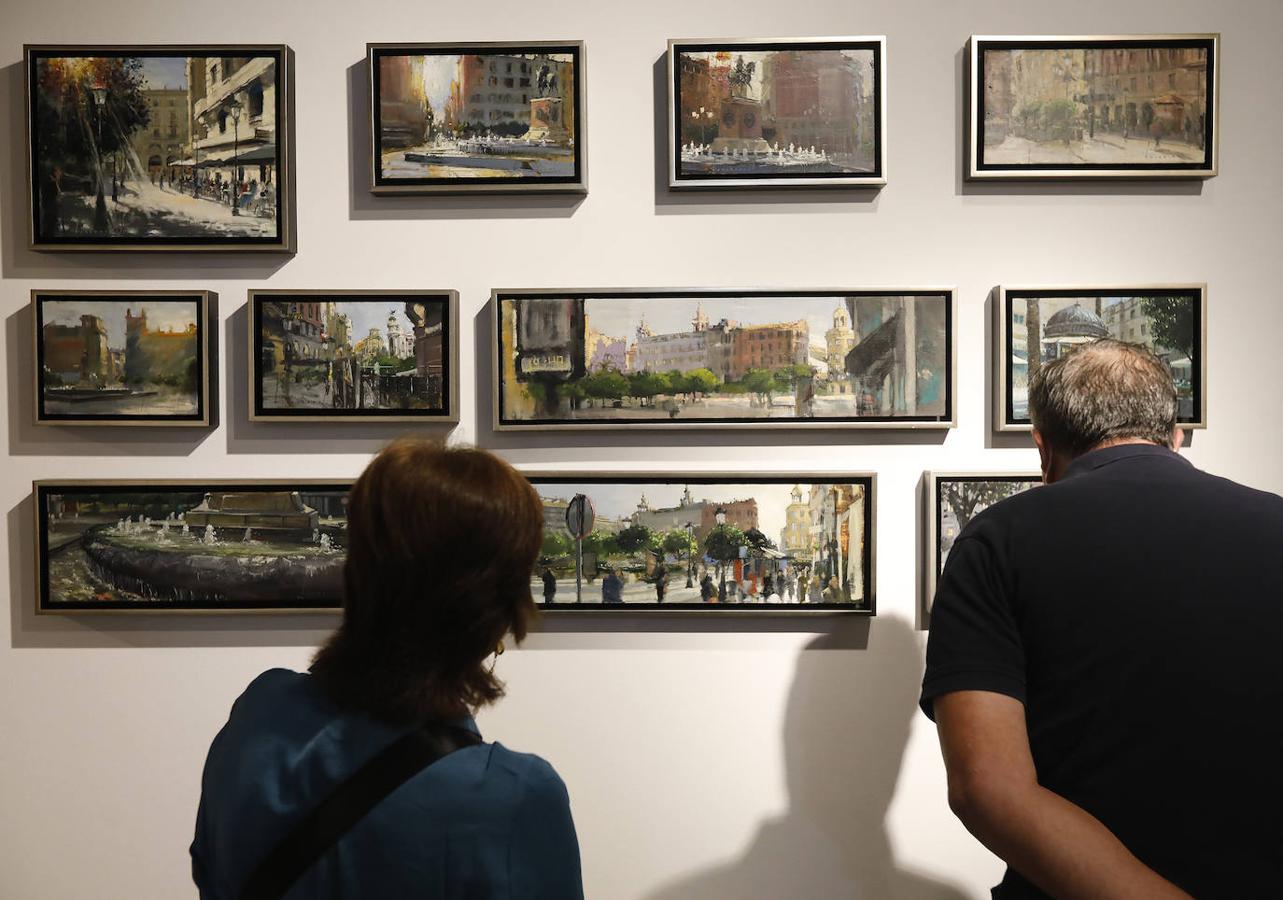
{"x": 368, "y": 778}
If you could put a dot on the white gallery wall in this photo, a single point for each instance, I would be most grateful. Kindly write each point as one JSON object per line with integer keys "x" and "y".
{"x": 710, "y": 759}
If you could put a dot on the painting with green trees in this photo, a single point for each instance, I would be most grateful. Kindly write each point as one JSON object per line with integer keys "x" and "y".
{"x": 724, "y": 359}
{"x": 706, "y": 543}
{"x": 121, "y": 357}
{"x": 158, "y": 147}
{"x": 1166, "y": 319}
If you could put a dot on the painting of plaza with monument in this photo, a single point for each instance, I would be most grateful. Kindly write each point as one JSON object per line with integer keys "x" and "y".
{"x": 476, "y": 118}
{"x": 723, "y": 359}
{"x": 121, "y": 358}
{"x": 776, "y": 110}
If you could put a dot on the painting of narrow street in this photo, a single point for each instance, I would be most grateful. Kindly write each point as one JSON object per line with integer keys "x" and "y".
{"x": 476, "y": 118}
{"x": 352, "y": 354}
{"x": 156, "y": 148}
{"x": 724, "y": 359}
{"x": 710, "y": 544}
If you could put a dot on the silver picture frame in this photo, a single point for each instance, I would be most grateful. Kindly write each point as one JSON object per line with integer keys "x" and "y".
{"x": 1004, "y": 417}
{"x": 574, "y": 183}
{"x": 447, "y": 416}
{"x": 875, "y": 178}
{"x": 978, "y": 168}
{"x": 206, "y": 345}
{"x": 501, "y": 353}
{"x": 933, "y": 551}
{"x": 282, "y": 137}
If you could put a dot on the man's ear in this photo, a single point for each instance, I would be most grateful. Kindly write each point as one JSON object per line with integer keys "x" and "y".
{"x": 1044, "y": 454}
{"x": 1178, "y": 437}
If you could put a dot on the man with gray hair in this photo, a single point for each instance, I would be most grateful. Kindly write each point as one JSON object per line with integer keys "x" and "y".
{"x": 1103, "y": 667}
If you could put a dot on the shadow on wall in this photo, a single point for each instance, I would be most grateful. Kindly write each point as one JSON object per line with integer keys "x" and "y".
{"x": 832, "y": 842}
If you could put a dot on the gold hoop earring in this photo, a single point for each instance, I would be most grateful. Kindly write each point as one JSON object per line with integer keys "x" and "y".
{"x": 498, "y": 651}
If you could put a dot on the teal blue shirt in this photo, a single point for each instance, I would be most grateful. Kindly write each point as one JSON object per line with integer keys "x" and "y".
{"x": 484, "y": 822}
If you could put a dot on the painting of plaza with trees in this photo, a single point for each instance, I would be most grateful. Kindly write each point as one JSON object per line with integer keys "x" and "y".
{"x": 724, "y": 359}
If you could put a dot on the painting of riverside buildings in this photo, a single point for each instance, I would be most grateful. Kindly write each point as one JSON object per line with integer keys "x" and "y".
{"x": 159, "y": 148}
{"x": 714, "y": 544}
{"x": 1125, "y": 106}
{"x": 360, "y": 355}
{"x": 122, "y": 357}
{"x": 477, "y": 117}
{"x": 776, "y": 112}
{"x": 217, "y": 546}
{"x": 714, "y": 359}
{"x": 1168, "y": 319}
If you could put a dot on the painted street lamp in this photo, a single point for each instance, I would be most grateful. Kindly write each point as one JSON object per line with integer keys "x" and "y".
{"x": 99, "y": 92}
{"x": 719, "y": 516}
{"x": 234, "y": 110}
{"x": 690, "y": 554}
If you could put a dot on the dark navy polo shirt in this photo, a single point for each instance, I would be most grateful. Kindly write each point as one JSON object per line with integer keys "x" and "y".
{"x": 1135, "y": 607}
{"x": 483, "y": 822}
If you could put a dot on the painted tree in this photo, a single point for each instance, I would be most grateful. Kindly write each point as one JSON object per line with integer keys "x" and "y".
{"x": 607, "y": 384}
{"x": 762, "y": 383}
{"x": 968, "y": 498}
{"x": 702, "y": 381}
{"x": 635, "y": 539}
{"x": 722, "y": 545}
{"x": 646, "y": 385}
{"x": 1172, "y": 319}
{"x": 1033, "y": 336}
{"x": 556, "y": 544}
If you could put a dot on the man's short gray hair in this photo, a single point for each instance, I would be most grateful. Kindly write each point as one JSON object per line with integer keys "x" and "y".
{"x": 1103, "y": 391}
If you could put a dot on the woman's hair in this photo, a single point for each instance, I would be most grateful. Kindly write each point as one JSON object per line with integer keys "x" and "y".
{"x": 441, "y": 543}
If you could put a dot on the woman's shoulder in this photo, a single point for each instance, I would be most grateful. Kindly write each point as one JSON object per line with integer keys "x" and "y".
{"x": 278, "y": 689}
{"x": 529, "y": 769}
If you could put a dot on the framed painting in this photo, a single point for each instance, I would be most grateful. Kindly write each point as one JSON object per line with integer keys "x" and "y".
{"x": 724, "y": 359}
{"x": 721, "y": 545}
{"x": 190, "y": 546}
{"x": 786, "y": 112}
{"x": 356, "y": 356}
{"x": 151, "y": 147}
{"x": 1170, "y": 319}
{"x": 953, "y": 499}
{"x": 478, "y": 118}
{"x": 123, "y": 357}
{"x": 1093, "y": 106}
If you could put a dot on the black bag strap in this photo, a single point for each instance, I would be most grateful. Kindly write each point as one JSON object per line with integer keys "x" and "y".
{"x": 322, "y": 828}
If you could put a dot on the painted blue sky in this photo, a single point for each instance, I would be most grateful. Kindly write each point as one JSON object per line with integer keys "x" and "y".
{"x": 165, "y": 72}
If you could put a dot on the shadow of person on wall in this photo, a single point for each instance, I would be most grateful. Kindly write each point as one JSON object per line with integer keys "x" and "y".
{"x": 842, "y": 763}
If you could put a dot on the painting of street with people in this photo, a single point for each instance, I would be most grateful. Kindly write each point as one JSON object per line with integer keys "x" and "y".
{"x": 722, "y": 359}
{"x": 467, "y": 116}
{"x": 350, "y": 354}
{"x": 1168, "y": 321}
{"x": 1076, "y": 104}
{"x": 144, "y": 147}
{"x": 103, "y": 357}
{"x": 705, "y": 543}
{"x": 193, "y": 546}
{"x": 776, "y": 110}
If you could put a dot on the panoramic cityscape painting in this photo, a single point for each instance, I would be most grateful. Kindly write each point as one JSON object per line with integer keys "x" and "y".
{"x": 477, "y": 117}
{"x": 953, "y": 500}
{"x": 723, "y": 359}
{"x": 776, "y": 112}
{"x": 175, "y": 148}
{"x": 1126, "y": 106}
{"x": 712, "y": 544}
{"x": 196, "y": 546}
{"x": 353, "y": 355}
{"x": 1168, "y": 319}
{"x": 104, "y": 357}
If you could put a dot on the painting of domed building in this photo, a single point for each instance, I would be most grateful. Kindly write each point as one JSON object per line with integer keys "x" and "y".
{"x": 1039, "y": 326}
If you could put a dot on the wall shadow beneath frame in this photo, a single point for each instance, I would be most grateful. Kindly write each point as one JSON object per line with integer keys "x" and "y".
{"x": 29, "y": 439}
{"x": 29, "y": 630}
{"x": 336, "y": 436}
{"x": 740, "y": 200}
{"x": 364, "y": 205}
{"x": 833, "y": 843}
{"x": 1043, "y": 187}
{"x": 593, "y": 438}
{"x": 17, "y": 260}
